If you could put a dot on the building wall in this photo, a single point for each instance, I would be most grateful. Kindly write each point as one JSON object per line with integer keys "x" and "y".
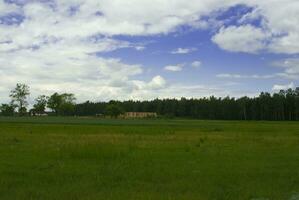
{"x": 139, "y": 114}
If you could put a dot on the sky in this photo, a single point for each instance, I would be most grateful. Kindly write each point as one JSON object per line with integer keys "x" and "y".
{"x": 146, "y": 49}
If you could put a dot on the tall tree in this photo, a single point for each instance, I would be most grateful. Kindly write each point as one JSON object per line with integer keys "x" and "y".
{"x": 62, "y": 104}
{"x": 114, "y": 110}
{"x": 40, "y": 104}
{"x": 19, "y": 97}
{"x": 67, "y": 106}
{"x": 54, "y": 102}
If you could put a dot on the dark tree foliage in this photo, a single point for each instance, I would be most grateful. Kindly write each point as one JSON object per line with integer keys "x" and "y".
{"x": 62, "y": 104}
{"x": 40, "y": 104}
{"x": 19, "y": 97}
{"x": 283, "y": 105}
{"x": 114, "y": 110}
{"x": 90, "y": 109}
{"x": 7, "y": 109}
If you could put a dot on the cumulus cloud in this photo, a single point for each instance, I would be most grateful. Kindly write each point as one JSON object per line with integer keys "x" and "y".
{"x": 56, "y": 45}
{"x": 245, "y": 38}
{"x": 158, "y": 82}
{"x": 277, "y": 33}
{"x": 86, "y": 75}
{"x": 283, "y": 87}
{"x": 86, "y": 18}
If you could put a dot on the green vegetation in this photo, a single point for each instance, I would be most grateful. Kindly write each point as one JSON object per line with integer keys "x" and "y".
{"x": 62, "y": 104}
{"x": 87, "y": 158}
{"x": 40, "y": 104}
{"x": 281, "y": 106}
{"x": 19, "y": 98}
{"x": 114, "y": 110}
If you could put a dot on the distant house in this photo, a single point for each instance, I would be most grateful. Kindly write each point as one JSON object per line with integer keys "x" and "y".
{"x": 128, "y": 115}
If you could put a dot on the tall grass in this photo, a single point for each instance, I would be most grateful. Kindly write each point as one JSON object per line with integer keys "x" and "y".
{"x": 71, "y": 158}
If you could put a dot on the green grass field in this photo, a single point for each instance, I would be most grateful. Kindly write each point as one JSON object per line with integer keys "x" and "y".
{"x": 74, "y": 158}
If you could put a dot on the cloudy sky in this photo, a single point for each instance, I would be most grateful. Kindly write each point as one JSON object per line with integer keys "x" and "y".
{"x": 144, "y": 49}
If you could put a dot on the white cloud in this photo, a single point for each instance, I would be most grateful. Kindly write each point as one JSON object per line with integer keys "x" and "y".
{"x": 280, "y": 21}
{"x": 174, "y": 68}
{"x": 196, "y": 64}
{"x": 183, "y": 50}
{"x": 245, "y": 38}
{"x": 54, "y": 49}
{"x": 278, "y": 33}
{"x": 134, "y": 17}
{"x": 283, "y": 87}
{"x": 66, "y": 69}
{"x": 157, "y": 82}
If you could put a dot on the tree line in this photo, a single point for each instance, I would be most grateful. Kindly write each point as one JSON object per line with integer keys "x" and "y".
{"x": 283, "y": 105}
{"x": 59, "y": 104}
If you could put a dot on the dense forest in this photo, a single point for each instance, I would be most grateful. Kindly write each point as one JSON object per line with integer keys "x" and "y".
{"x": 283, "y": 105}
{"x": 278, "y": 106}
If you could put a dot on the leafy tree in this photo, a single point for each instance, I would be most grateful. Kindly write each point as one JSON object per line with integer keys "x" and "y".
{"x": 19, "y": 96}
{"x": 54, "y": 102}
{"x": 40, "y": 104}
{"x": 114, "y": 110}
{"x": 68, "y": 104}
{"x": 7, "y": 109}
{"x": 62, "y": 104}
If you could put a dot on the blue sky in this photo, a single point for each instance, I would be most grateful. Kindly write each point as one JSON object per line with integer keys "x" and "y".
{"x": 146, "y": 49}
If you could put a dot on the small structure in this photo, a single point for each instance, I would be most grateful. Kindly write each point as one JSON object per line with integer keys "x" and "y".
{"x": 33, "y": 112}
{"x": 128, "y": 115}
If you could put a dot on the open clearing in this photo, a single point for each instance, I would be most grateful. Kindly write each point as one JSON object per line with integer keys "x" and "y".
{"x": 73, "y": 158}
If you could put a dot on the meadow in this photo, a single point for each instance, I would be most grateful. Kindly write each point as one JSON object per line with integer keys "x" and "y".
{"x": 87, "y": 158}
